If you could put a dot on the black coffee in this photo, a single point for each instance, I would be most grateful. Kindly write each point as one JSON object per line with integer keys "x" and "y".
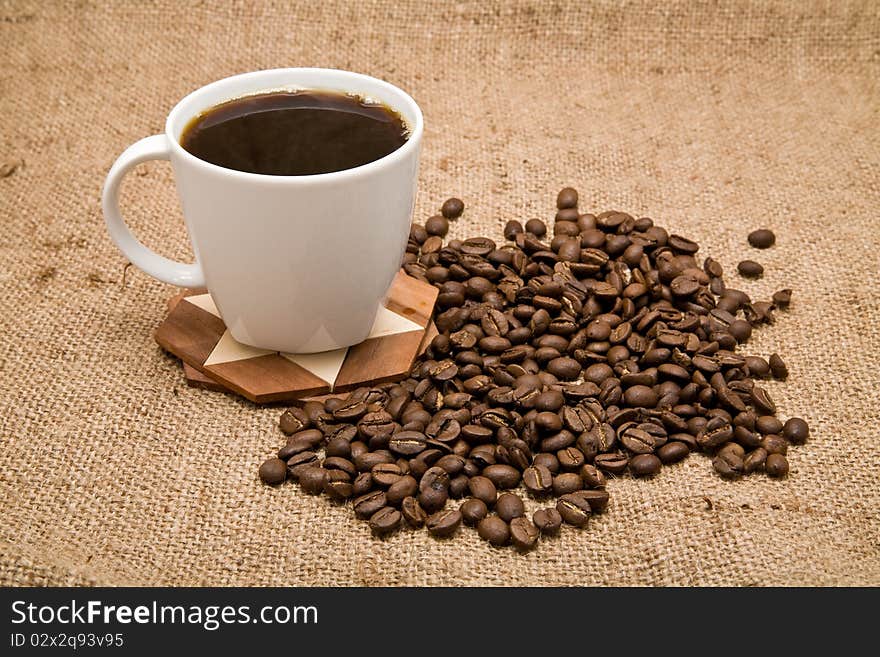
{"x": 294, "y": 133}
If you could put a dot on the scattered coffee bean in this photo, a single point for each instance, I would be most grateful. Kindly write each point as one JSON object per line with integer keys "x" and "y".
{"x": 443, "y": 524}
{"x": 548, "y": 521}
{"x": 762, "y": 238}
{"x": 796, "y": 430}
{"x": 782, "y": 299}
{"x": 494, "y": 530}
{"x": 273, "y": 472}
{"x": 437, "y": 225}
{"x": 644, "y": 465}
{"x": 778, "y": 367}
{"x": 385, "y": 521}
{"x": 473, "y": 510}
{"x": 602, "y": 348}
{"x": 567, "y": 198}
{"x": 523, "y": 534}
{"x": 750, "y": 269}
{"x": 776, "y": 465}
{"x": 509, "y": 506}
{"x": 452, "y": 208}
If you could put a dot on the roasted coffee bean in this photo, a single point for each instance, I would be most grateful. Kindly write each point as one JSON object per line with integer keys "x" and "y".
{"x": 750, "y": 269}
{"x": 548, "y": 521}
{"x": 503, "y": 476}
{"x": 567, "y": 198}
{"x": 782, "y": 299}
{"x": 434, "y": 489}
{"x": 796, "y": 430}
{"x": 776, "y": 465}
{"x": 473, "y": 510}
{"x": 312, "y": 479}
{"x": 511, "y": 229}
{"x": 592, "y": 476}
{"x": 762, "y": 401}
{"x": 366, "y": 505}
{"x": 509, "y": 506}
{"x": 494, "y": 530}
{"x": 768, "y": 424}
{"x": 644, "y": 465}
{"x": 339, "y": 463}
{"x": 762, "y": 238}
{"x": 597, "y": 499}
{"x": 728, "y": 464}
{"x": 273, "y": 471}
{"x": 774, "y": 444}
{"x": 483, "y": 489}
{"x": 437, "y": 225}
{"x": 574, "y": 509}
{"x": 536, "y": 227}
{"x": 405, "y": 486}
{"x": 452, "y": 208}
{"x": 385, "y": 474}
{"x": 612, "y": 463}
{"x": 537, "y": 479}
{"x": 443, "y": 524}
{"x": 297, "y": 462}
{"x": 523, "y": 534}
{"x": 408, "y": 443}
{"x": 567, "y": 482}
{"x": 362, "y": 484}
{"x": 413, "y": 513}
{"x": 294, "y": 420}
{"x": 778, "y": 367}
{"x": 673, "y": 452}
{"x": 754, "y": 460}
{"x": 385, "y": 521}
{"x": 337, "y": 485}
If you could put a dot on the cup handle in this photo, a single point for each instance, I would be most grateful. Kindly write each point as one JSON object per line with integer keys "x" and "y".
{"x": 167, "y": 271}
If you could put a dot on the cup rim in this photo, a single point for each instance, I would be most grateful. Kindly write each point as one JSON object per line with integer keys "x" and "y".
{"x": 411, "y": 143}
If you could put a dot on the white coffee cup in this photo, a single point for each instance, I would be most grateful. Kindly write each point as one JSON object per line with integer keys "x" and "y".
{"x": 294, "y": 263}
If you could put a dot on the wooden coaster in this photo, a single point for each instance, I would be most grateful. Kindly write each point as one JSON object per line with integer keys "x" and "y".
{"x": 194, "y": 332}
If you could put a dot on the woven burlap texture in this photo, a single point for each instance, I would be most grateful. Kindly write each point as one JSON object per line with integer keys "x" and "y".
{"x": 713, "y": 119}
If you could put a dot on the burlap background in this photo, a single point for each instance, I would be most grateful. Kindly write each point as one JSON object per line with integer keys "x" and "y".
{"x": 713, "y": 119}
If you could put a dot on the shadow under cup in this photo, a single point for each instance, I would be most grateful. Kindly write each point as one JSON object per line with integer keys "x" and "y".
{"x": 298, "y": 263}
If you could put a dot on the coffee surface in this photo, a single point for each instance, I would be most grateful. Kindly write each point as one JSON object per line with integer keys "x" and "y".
{"x": 295, "y": 133}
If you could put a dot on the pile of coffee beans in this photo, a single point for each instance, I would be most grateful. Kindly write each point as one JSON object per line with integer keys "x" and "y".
{"x": 607, "y": 350}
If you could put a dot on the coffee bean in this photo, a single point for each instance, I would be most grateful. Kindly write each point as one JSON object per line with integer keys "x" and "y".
{"x": 796, "y": 430}
{"x": 443, "y": 524}
{"x": 509, "y": 506}
{"x": 434, "y": 489}
{"x": 548, "y": 521}
{"x": 494, "y": 530}
{"x": 311, "y": 479}
{"x": 293, "y": 420}
{"x": 613, "y": 463}
{"x": 750, "y": 269}
{"x": 597, "y": 499}
{"x": 483, "y": 489}
{"x": 567, "y": 198}
{"x": 768, "y": 424}
{"x": 778, "y": 367}
{"x": 762, "y": 401}
{"x": 536, "y": 227}
{"x": 437, "y": 225}
{"x": 567, "y": 482}
{"x": 298, "y": 462}
{"x": 405, "y": 486}
{"x": 592, "y": 476}
{"x": 273, "y": 472}
{"x": 385, "y": 521}
{"x": 385, "y": 474}
{"x": 644, "y": 465}
{"x": 413, "y": 513}
{"x": 782, "y": 299}
{"x": 776, "y": 465}
{"x": 339, "y": 463}
{"x": 511, "y": 229}
{"x": 452, "y": 208}
{"x": 537, "y": 479}
{"x": 473, "y": 510}
{"x": 641, "y": 396}
{"x": 774, "y": 444}
{"x": 523, "y": 534}
{"x": 408, "y": 443}
{"x": 762, "y": 238}
{"x": 575, "y": 510}
{"x": 503, "y": 476}
{"x": 754, "y": 460}
{"x": 366, "y": 505}
{"x": 673, "y": 452}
